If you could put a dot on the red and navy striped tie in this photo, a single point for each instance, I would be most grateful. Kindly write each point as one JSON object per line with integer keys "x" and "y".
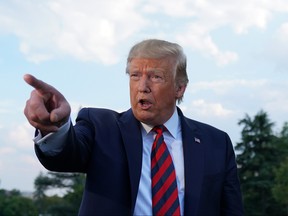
{"x": 165, "y": 199}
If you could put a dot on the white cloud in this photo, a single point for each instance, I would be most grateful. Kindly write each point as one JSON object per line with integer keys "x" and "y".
{"x": 229, "y": 98}
{"x": 208, "y": 109}
{"x": 283, "y": 32}
{"x": 202, "y": 42}
{"x": 201, "y": 18}
{"x": 21, "y": 136}
{"x": 275, "y": 98}
{"x": 33, "y": 56}
{"x": 29, "y": 160}
{"x": 225, "y": 86}
{"x": 88, "y": 30}
{"x": 6, "y": 106}
{"x": 255, "y": 92}
{"x": 276, "y": 50}
{"x": 18, "y": 160}
{"x": 282, "y": 41}
{"x": 6, "y": 150}
{"x": 184, "y": 8}
{"x": 94, "y": 30}
{"x": 20, "y": 171}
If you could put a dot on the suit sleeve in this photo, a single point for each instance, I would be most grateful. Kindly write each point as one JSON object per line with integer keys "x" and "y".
{"x": 52, "y": 143}
{"x": 75, "y": 148}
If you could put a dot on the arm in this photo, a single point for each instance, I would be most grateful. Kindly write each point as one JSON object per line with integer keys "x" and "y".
{"x": 47, "y": 110}
{"x": 53, "y": 143}
{"x": 71, "y": 149}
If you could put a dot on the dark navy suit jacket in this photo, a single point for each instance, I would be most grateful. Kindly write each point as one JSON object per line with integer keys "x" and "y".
{"x": 107, "y": 146}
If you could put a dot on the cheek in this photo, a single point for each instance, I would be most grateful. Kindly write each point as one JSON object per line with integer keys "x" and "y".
{"x": 132, "y": 94}
{"x": 133, "y": 88}
{"x": 168, "y": 92}
{"x": 165, "y": 97}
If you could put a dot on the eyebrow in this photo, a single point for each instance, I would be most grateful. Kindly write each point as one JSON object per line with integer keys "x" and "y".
{"x": 150, "y": 69}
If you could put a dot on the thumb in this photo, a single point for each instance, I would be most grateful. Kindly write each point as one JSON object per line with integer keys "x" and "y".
{"x": 61, "y": 114}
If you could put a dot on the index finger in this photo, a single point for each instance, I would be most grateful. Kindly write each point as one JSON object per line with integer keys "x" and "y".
{"x": 39, "y": 85}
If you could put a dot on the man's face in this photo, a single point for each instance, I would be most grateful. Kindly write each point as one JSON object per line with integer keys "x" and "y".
{"x": 153, "y": 92}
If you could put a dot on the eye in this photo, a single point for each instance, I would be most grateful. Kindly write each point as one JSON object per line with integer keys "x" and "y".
{"x": 157, "y": 78}
{"x": 135, "y": 76}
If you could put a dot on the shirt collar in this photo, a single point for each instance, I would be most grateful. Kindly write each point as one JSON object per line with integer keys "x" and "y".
{"x": 171, "y": 124}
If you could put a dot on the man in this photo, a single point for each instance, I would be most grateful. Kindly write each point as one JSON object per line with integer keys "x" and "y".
{"x": 117, "y": 151}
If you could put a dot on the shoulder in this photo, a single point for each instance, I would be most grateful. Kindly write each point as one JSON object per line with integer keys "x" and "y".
{"x": 92, "y": 110}
{"x": 99, "y": 113}
{"x": 201, "y": 127}
{"x": 212, "y": 136}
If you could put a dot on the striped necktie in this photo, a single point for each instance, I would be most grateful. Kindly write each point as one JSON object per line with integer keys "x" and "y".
{"x": 165, "y": 199}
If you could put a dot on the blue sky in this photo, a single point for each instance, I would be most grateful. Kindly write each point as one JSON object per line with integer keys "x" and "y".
{"x": 237, "y": 55}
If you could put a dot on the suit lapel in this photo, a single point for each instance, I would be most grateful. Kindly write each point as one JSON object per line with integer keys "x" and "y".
{"x": 132, "y": 138}
{"x": 193, "y": 149}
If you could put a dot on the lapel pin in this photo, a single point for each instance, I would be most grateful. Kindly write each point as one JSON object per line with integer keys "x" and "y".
{"x": 197, "y": 140}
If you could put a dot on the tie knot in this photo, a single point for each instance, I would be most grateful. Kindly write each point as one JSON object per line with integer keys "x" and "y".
{"x": 159, "y": 129}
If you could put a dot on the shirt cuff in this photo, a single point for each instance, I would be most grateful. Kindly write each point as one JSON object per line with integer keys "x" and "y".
{"x": 52, "y": 143}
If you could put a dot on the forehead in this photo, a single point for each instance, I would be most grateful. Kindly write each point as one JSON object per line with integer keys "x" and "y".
{"x": 149, "y": 63}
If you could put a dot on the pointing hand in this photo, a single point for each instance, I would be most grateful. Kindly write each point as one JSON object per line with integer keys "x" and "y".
{"x": 46, "y": 109}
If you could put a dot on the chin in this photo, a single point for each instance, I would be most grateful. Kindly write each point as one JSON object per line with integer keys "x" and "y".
{"x": 145, "y": 119}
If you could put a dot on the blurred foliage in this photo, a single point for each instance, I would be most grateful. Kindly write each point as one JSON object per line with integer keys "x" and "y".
{"x": 13, "y": 203}
{"x": 262, "y": 166}
{"x": 72, "y": 183}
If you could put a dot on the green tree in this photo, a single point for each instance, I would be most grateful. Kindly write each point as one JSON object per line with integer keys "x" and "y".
{"x": 72, "y": 183}
{"x": 280, "y": 188}
{"x": 12, "y": 203}
{"x": 283, "y": 141}
{"x": 258, "y": 156}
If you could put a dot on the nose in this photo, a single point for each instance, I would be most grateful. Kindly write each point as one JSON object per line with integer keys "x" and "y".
{"x": 144, "y": 85}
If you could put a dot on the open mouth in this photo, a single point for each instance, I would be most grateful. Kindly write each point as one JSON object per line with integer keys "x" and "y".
{"x": 145, "y": 104}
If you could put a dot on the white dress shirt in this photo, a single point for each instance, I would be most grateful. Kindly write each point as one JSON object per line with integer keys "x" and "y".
{"x": 173, "y": 140}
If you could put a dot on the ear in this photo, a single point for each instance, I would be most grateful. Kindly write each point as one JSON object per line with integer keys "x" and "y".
{"x": 180, "y": 89}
